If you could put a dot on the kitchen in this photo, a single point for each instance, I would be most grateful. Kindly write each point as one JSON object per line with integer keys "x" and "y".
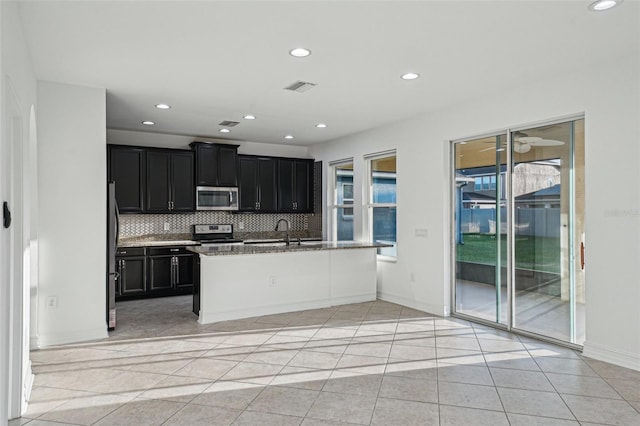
{"x": 64, "y": 90}
{"x": 212, "y": 201}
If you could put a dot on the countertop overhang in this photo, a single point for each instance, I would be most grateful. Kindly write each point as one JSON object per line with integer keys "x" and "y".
{"x": 281, "y": 247}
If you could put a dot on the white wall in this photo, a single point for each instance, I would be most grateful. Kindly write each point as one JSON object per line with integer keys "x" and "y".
{"x": 72, "y": 212}
{"x": 609, "y": 96}
{"x": 18, "y": 245}
{"x": 161, "y": 140}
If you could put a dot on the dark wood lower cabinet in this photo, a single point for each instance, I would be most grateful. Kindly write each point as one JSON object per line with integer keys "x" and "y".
{"x": 131, "y": 266}
{"x": 154, "y": 272}
{"x": 160, "y": 273}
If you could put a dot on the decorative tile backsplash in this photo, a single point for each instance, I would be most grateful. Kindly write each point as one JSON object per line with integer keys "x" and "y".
{"x": 303, "y": 225}
{"x": 136, "y": 225}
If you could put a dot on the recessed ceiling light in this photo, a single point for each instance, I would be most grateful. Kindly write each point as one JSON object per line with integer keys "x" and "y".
{"x": 321, "y": 125}
{"x": 600, "y": 5}
{"x": 224, "y": 130}
{"x": 410, "y": 76}
{"x": 300, "y": 52}
{"x": 163, "y": 106}
{"x": 249, "y": 117}
{"x": 288, "y": 137}
{"x": 148, "y": 123}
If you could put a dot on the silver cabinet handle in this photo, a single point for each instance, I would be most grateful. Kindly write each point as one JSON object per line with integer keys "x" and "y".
{"x": 174, "y": 249}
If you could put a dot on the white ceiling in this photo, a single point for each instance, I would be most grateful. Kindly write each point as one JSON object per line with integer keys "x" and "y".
{"x": 214, "y": 61}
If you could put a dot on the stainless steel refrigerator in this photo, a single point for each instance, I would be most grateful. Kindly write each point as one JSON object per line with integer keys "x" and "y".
{"x": 112, "y": 241}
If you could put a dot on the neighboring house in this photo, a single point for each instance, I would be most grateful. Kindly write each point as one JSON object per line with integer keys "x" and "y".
{"x": 543, "y": 198}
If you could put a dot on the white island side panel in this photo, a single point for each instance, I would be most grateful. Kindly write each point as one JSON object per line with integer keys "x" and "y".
{"x": 353, "y": 276}
{"x": 242, "y": 286}
{"x": 234, "y": 287}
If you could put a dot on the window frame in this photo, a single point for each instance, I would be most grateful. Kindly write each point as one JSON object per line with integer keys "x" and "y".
{"x": 333, "y": 205}
{"x": 370, "y": 205}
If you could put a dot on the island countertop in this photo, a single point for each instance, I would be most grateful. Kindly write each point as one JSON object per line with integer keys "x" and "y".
{"x": 280, "y": 247}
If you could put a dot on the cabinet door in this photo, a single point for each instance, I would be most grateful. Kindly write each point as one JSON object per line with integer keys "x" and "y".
{"x": 126, "y": 168}
{"x": 182, "y": 188}
{"x": 158, "y": 181}
{"x": 132, "y": 275}
{"x": 206, "y": 165}
{"x": 247, "y": 187}
{"x": 303, "y": 187}
{"x": 184, "y": 271}
{"x": 227, "y": 165}
{"x": 267, "y": 189}
{"x": 285, "y": 185}
{"x": 160, "y": 273}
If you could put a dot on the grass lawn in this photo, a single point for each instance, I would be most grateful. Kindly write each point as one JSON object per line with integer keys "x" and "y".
{"x": 536, "y": 253}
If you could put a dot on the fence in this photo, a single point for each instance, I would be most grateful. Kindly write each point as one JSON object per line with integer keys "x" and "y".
{"x": 541, "y": 222}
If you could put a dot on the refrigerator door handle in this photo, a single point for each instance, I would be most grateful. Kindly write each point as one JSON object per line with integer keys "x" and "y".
{"x": 117, "y": 233}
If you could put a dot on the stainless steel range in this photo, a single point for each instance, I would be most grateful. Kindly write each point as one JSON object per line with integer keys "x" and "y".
{"x": 215, "y": 235}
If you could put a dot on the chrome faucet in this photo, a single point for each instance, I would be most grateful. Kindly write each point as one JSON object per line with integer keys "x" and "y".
{"x": 286, "y": 240}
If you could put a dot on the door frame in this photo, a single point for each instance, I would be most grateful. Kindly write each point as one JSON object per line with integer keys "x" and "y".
{"x": 510, "y": 212}
{"x": 15, "y": 136}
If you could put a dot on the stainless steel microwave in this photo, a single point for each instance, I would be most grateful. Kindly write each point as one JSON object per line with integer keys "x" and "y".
{"x": 216, "y": 198}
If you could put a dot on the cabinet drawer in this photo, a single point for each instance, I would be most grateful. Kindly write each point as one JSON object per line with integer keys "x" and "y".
{"x": 131, "y": 251}
{"x": 168, "y": 251}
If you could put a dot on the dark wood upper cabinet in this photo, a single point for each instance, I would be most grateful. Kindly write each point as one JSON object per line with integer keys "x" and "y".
{"x": 227, "y": 165}
{"x": 295, "y": 185}
{"x": 247, "y": 183}
{"x": 267, "y": 189}
{"x": 183, "y": 187}
{"x": 170, "y": 181}
{"x": 158, "y": 181}
{"x": 127, "y": 170}
{"x": 257, "y": 183}
{"x": 216, "y": 164}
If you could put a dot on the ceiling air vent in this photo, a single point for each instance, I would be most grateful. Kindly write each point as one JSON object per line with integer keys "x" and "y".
{"x": 300, "y": 86}
{"x": 227, "y": 123}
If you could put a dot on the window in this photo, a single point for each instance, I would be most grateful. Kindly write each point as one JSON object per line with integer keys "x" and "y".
{"x": 484, "y": 183}
{"x": 347, "y": 198}
{"x": 382, "y": 202}
{"x": 341, "y": 207}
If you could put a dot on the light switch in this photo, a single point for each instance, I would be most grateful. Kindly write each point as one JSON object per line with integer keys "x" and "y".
{"x": 421, "y": 232}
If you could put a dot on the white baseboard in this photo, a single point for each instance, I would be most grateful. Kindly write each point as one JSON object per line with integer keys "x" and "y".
{"x": 414, "y": 304}
{"x": 211, "y": 317}
{"x": 612, "y": 355}
{"x": 27, "y": 386}
{"x": 53, "y": 339}
{"x": 368, "y": 297}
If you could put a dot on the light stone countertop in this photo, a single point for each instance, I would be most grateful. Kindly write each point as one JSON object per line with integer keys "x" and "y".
{"x": 158, "y": 241}
{"x": 280, "y": 247}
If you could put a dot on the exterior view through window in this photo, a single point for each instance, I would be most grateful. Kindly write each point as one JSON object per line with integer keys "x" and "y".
{"x": 342, "y": 208}
{"x": 382, "y": 202}
{"x": 518, "y": 229}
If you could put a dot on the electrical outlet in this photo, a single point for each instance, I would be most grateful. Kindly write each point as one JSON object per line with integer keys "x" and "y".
{"x": 272, "y": 281}
{"x": 240, "y": 225}
{"x": 167, "y": 226}
{"x": 52, "y": 302}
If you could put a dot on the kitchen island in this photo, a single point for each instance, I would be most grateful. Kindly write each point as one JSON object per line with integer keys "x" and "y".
{"x": 241, "y": 281}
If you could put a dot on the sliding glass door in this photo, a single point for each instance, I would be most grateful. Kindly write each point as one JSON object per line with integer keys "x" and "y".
{"x": 480, "y": 232}
{"x": 547, "y": 225}
{"x": 518, "y": 230}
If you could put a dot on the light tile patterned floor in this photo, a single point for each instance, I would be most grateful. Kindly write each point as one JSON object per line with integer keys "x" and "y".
{"x": 373, "y": 363}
